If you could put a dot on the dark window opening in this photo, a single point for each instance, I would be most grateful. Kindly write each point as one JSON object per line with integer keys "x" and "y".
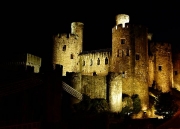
{"x": 98, "y": 61}
{"x": 154, "y": 84}
{"x": 71, "y": 56}
{"x": 137, "y": 57}
{"x": 91, "y": 62}
{"x": 160, "y": 68}
{"x": 175, "y": 72}
{"x": 122, "y": 41}
{"x": 123, "y": 74}
{"x": 83, "y": 63}
{"x": 106, "y": 61}
{"x": 94, "y": 74}
{"x": 117, "y": 53}
{"x": 127, "y": 54}
{"x": 64, "y": 48}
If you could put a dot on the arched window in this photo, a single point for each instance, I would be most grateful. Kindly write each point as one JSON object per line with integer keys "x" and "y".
{"x": 122, "y": 41}
{"x": 98, "y": 61}
{"x": 91, "y": 62}
{"x": 71, "y": 56}
{"x": 137, "y": 56}
{"x": 106, "y": 61}
{"x": 64, "y": 48}
{"x": 83, "y": 63}
{"x": 94, "y": 74}
{"x": 118, "y": 53}
{"x": 128, "y": 52}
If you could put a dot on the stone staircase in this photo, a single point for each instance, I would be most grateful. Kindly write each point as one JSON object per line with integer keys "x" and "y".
{"x": 72, "y": 91}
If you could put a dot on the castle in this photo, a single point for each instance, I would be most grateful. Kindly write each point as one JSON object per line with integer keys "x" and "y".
{"x": 132, "y": 65}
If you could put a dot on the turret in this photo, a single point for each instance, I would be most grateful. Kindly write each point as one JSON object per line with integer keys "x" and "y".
{"x": 77, "y": 30}
{"x": 122, "y": 19}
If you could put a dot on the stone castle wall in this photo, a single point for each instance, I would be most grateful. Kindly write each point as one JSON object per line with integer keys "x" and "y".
{"x": 19, "y": 62}
{"x": 33, "y": 61}
{"x": 151, "y": 71}
{"x": 132, "y": 69}
{"x": 176, "y": 71}
{"x": 162, "y": 66}
{"x": 130, "y": 58}
{"x": 108, "y": 87}
{"x": 114, "y": 91}
{"x": 97, "y": 63}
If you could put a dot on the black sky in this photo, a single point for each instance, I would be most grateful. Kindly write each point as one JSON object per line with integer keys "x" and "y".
{"x": 29, "y": 26}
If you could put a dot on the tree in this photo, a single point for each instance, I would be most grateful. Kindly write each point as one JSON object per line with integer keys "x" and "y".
{"x": 91, "y": 105}
{"x": 136, "y": 103}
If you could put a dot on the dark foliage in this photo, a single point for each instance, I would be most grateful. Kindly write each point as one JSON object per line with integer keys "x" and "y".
{"x": 136, "y": 103}
{"x": 91, "y": 105}
{"x": 165, "y": 105}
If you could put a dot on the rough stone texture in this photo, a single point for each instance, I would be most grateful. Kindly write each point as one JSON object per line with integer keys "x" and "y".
{"x": 15, "y": 61}
{"x": 90, "y": 63}
{"x": 115, "y": 92}
{"x": 94, "y": 86}
{"x": 176, "y": 71}
{"x": 76, "y": 84}
{"x": 151, "y": 71}
{"x": 67, "y": 47}
{"x": 134, "y": 72}
{"x": 162, "y": 66}
{"x": 34, "y": 61}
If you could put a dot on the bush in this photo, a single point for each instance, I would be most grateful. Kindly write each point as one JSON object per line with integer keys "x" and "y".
{"x": 91, "y": 105}
{"x": 136, "y": 103}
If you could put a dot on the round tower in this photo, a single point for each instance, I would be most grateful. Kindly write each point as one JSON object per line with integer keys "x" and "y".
{"x": 122, "y": 19}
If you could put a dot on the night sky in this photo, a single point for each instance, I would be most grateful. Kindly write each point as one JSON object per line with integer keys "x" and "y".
{"x": 28, "y": 27}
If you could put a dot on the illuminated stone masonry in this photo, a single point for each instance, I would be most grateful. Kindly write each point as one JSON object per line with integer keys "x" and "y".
{"x": 21, "y": 62}
{"x": 125, "y": 68}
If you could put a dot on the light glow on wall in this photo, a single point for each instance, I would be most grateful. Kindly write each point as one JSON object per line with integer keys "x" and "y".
{"x": 115, "y": 92}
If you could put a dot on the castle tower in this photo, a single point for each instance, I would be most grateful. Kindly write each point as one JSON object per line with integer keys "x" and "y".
{"x": 176, "y": 72}
{"x": 130, "y": 57}
{"x": 162, "y": 66}
{"x": 67, "y": 47}
{"x": 122, "y": 19}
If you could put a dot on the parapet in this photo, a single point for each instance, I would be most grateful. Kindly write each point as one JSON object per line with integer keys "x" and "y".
{"x": 96, "y": 51}
{"x": 122, "y": 19}
{"x": 62, "y": 35}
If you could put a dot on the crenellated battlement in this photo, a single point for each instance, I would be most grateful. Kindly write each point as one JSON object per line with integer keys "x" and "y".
{"x": 161, "y": 46}
{"x": 62, "y": 35}
{"x": 127, "y": 27}
{"x": 96, "y": 51}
